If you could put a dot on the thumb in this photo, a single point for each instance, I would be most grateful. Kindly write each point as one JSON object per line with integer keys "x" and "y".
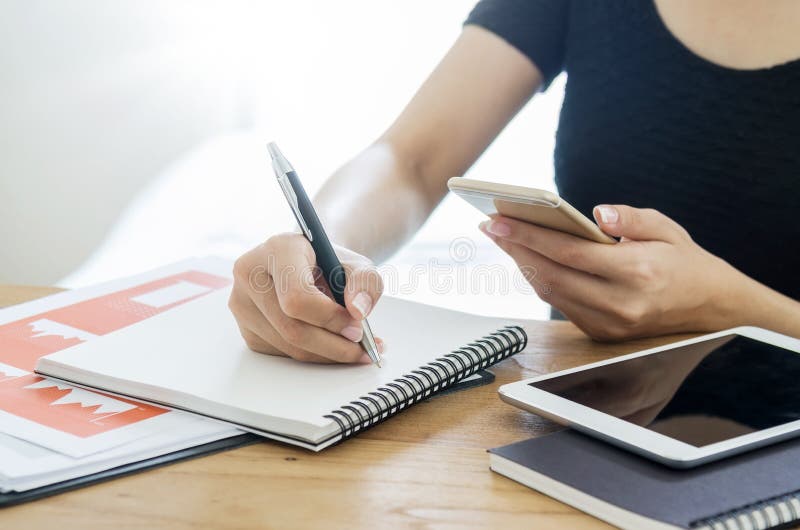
{"x": 364, "y": 288}
{"x": 638, "y": 224}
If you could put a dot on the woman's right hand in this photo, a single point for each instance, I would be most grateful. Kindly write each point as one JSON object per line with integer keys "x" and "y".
{"x": 284, "y": 307}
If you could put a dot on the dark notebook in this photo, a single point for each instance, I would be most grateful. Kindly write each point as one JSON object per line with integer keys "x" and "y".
{"x": 758, "y": 489}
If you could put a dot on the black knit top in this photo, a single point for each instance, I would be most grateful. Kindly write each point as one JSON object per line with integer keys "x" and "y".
{"x": 647, "y": 122}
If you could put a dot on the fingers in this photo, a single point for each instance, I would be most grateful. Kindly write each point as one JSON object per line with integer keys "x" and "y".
{"x": 569, "y": 250}
{"x": 638, "y": 224}
{"x": 279, "y": 334}
{"x": 258, "y": 344}
{"x": 597, "y": 306}
{"x": 282, "y": 308}
{"x": 313, "y": 339}
{"x": 364, "y": 288}
{"x": 291, "y": 266}
{"x": 554, "y": 282}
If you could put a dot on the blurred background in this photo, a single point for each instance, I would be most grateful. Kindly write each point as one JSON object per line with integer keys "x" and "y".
{"x": 133, "y": 132}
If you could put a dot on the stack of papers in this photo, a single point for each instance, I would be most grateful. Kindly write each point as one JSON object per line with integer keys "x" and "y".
{"x": 51, "y": 431}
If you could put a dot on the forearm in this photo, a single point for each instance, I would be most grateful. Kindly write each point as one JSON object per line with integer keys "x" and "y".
{"x": 376, "y": 202}
{"x": 772, "y": 310}
{"x": 755, "y": 304}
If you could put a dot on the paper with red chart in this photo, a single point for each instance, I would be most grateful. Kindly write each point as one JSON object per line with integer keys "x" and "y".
{"x": 25, "y": 466}
{"x": 72, "y": 420}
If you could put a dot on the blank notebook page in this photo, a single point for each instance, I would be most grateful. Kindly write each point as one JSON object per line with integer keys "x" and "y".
{"x": 196, "y": 350}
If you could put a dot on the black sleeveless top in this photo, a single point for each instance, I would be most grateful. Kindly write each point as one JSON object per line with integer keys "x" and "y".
{"x": 647, "y": 122}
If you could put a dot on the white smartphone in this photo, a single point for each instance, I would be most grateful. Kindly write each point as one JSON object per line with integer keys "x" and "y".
{"x": 682, "y": 404}
{"x": 539, "y": 207}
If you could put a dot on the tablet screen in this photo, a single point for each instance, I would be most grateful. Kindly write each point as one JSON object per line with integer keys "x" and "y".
{"x": 699, "y": 394}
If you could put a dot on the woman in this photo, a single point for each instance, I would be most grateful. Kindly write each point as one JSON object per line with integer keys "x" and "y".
{"x": 686, "y": 108}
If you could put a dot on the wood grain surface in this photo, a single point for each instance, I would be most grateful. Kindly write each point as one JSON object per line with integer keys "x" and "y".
{"x": 426, "y": 468}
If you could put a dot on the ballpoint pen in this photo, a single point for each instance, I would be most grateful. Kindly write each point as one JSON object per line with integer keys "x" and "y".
{"x": 310, "y": 225}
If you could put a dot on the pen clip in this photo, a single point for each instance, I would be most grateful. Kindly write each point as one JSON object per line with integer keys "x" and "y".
{"x": 291, "y": 198}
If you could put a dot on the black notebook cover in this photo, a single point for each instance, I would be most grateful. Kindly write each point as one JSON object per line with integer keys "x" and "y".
{"x": 12, "y": 498}
{"x": 766, "y": 480}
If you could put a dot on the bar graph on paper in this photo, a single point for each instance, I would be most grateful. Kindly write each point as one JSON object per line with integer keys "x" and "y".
{"x": 73, "y": 410}
{"x": 70, "y": 409}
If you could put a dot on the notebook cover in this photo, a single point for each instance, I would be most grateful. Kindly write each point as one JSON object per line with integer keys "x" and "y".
{"x": 13, "y": 498}
{"x": 639, "y": 485}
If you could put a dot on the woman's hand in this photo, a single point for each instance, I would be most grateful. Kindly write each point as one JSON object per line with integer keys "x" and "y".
{"x": 283, "y": 306}
{"x": 655, "y": 281}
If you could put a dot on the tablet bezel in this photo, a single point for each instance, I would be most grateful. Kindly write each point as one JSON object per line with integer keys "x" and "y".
{"x": 648, "y": 443}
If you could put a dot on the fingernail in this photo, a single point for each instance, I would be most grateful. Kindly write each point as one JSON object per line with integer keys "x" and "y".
{"x": 483, "y": 228}
{"x": 353, "y": 333}
{"x": 498, "y": 228}
{"x": 381, "y": 345}
{"x": 608, "y": 214}
{"x": 363, "y": 303}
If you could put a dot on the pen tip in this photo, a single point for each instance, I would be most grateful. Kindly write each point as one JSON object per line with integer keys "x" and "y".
{"x": 272, "y": 147}
{"x": 379, "y": 363}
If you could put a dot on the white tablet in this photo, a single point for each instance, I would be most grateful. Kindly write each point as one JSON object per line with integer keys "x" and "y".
{"x": 682, "y": 404}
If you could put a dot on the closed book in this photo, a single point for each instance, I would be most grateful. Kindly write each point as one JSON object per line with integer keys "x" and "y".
{"x": 755, "y": 490}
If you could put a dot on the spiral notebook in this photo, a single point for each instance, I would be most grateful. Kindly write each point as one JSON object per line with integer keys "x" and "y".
{"x": 755, "y": 490}
{"x": 193, "y": 358}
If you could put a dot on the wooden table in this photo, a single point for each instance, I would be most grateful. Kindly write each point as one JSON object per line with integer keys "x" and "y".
{"x": 426, "y": 468}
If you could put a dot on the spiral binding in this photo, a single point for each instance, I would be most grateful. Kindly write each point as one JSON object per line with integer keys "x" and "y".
{"x": 776, "y": 512}
{"x": 427, "y": 380}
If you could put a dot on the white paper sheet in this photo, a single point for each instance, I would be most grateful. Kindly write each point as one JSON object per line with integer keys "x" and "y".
{"x": 77, "y": 447}
{"x": 78, "y": 422}
{"x": 214, "y": 373}
{"x": 25, "y": 466}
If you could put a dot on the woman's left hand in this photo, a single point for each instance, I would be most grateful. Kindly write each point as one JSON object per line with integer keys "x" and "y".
{"x": 655, "y": 281}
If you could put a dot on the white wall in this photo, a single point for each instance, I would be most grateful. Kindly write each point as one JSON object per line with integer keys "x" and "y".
{"x": 95, "y": 98}
{"x": 142, "y": 84}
